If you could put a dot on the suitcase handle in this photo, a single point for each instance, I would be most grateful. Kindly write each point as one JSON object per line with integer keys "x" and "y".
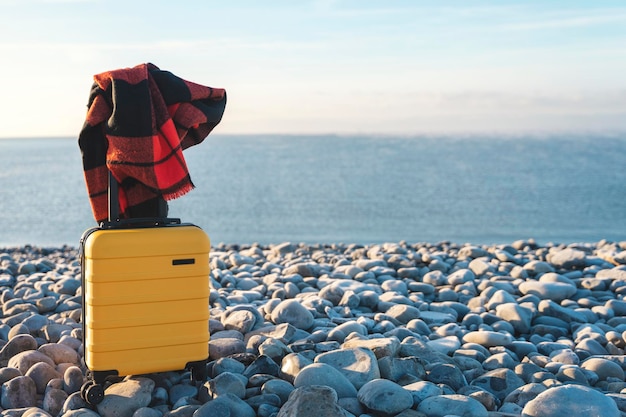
{"x": 138, "y": 222}
{"x": 114, "y": 203}
{"x": 114, "y": 212}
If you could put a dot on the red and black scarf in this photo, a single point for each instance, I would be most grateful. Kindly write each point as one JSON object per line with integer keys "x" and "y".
{"x": 139, "y": 120}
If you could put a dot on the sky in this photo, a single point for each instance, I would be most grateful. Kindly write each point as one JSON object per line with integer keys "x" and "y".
{"x": 400, "y": 67}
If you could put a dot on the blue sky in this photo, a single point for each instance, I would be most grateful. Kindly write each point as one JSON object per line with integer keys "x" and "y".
{"x": 328, "y": 66}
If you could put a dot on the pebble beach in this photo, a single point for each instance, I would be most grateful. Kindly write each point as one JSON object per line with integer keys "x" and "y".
{"x": 309, "y": 330}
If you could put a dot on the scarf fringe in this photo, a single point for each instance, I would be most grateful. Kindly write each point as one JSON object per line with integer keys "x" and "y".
{"x": 179, "y": 192}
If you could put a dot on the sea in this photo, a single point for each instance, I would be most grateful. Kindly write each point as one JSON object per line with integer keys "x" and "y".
{"x": 362, "y": 189}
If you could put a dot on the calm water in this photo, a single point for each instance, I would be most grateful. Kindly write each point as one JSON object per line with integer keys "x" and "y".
{"x": 271, "y": 189}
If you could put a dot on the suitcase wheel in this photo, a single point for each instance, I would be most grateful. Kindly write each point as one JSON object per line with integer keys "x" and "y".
{"x": 92, "y": 393}
{"x": 198, "y": 371}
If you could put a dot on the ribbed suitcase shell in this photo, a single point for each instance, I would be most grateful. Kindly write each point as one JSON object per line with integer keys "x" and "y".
{"x": 146, "y": 298}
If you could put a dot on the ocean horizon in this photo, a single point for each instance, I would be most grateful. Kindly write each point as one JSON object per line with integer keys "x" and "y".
{"x": 362, "y": 189}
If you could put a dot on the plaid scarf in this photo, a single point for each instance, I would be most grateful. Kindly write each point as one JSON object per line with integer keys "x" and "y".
{"x": 139, "y": 120}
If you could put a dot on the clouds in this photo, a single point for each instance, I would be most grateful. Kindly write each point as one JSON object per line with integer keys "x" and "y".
{"x": 327, "y": 65}
{"x": 565, "y": 19}
{"x": 396, "y": 112}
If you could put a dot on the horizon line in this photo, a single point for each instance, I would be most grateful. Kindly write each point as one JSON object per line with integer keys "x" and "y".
{"x": 469, "y": 133}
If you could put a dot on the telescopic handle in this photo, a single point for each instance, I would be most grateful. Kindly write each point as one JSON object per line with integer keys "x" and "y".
{"x": 114, "y": 203}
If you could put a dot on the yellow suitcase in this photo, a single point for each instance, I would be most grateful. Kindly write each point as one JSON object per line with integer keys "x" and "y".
{"x": 145, "y": 300}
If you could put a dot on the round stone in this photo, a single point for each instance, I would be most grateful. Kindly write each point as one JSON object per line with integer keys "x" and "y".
{"x": 566, "y": 401}
{"x": 557, "y": 291}
{"x": 385, "y": 397}
{"x": 292, "y": 312}
{"x": 604, "y": 368}
{"x": 500, "y": 382}
{"x": 358, "y": 365}
{"x": 19, "y": 392}
{"x": 312, "y": 401}
{"x": 452, "y": 405}
{"x": 488, "y": 338}
{"x": 447, "y": 374}
{"x": 323, "y": 374}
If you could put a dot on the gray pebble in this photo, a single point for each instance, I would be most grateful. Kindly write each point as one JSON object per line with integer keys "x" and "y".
{"x": 17, "y": 344}
{"x": 178, "y": 391}
{"x": 446, "y": 345}
{"x": 35, "y": 323}
{"x": 223, "y": 347}
{"x": 519, "y": 316}
{"x": 421, "y": 390}
{"x": 568, "y": 315}
{"x": 449, "y": 405}
{"x": 243, "y": 321}
{"x": 500, "y": 382}
{"x": 26, "y": 412}
{"x": 292, "y": 312}
{"x": 255, "y": 401}
{"x": 403, "y": 313}
{"x": 80, "y": 412}
{"x": 381, "y": 347}
{"x": 19, "y": 329}
{"x": 53, "y": 401}
{"x": 41, "y": 373}
{"x": 312, "y": 401}
{"x": 278, "y": 387}
{"x": 147, "y": 412}
{"x": 557, "y": 291}
{"x": 262, "y": 365}
{"x": 450, "y": 375}
{"x": 340, "y": 332}
{"x": 603, "y": 368}
{"x": 323, "y": 374}
{"x": 488, "y": 338}
{"x": 184, "y": 411}
{"x": 59, "y": 353}
{"x": 124, "y": 398}
{"x": 384, "y": 396}
{"x": 74, "y": 402}
{"x": 273, "y": 348}
{"x": 227, "y": 382}
{"x": 358, "y": 365}
{"x": 19, "y": 392}
{"x": 66, "y": 286}
{"x": 567, "y": 258}
{"x": 522, "y": 395}
{"x": 54, "y": 331}
{"x": 24, "y": 360}
{"x": 571, "y": 374}
{"x": 397, "y": 369}
{"x": 72, "y": 379}
{"x": 227, "y": 365}
{"x": 7, "y": 374}
{"x": 292, "y": 364}
{"x": 566, "y": 400}
{"x": 212, "y": 409}
{"x": 236, "y": 406}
